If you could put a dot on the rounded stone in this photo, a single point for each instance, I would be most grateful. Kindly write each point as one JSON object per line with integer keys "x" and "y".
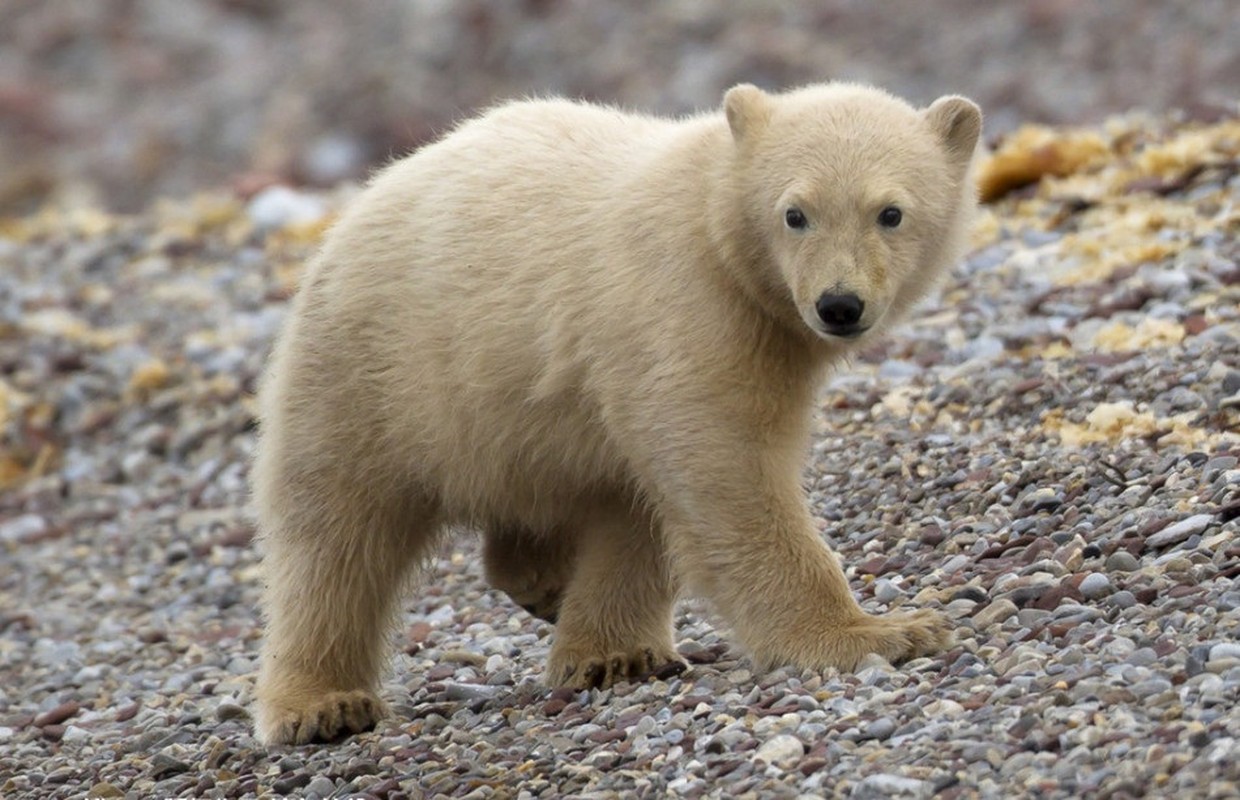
{"x": 1095, "y": 585}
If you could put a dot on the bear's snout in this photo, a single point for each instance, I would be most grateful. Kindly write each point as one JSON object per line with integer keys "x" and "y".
{"x": 841, "y": 313}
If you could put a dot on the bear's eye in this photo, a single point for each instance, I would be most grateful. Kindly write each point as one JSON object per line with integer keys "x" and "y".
{"x": 795, "y": 218}
{"x": 890, "y": 217}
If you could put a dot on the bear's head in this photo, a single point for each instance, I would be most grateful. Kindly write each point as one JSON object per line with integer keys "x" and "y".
{"x": 853, "y": 202}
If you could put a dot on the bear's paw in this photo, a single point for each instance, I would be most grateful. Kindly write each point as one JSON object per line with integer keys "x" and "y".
{"x": 896, "y": 636}
{"x": 328, "y": 717}
{"x": 579, "y": 669}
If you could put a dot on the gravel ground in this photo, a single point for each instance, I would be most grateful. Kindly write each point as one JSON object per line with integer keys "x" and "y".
{"x": 126, "y": 100}
{"x": 1049, "y": 453}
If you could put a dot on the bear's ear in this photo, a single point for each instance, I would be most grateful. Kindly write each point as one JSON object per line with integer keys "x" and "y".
{"x": 958, "y": 122}
{"x": 747, "y": 108}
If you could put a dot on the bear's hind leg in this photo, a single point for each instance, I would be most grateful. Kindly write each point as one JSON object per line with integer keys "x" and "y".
{"x": 615, "y": 620}
{"x": 334, "y": 566}
{"x": 532, "y": 568}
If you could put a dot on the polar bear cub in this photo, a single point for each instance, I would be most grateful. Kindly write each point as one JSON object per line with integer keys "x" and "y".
{"x": 595, "y": 337}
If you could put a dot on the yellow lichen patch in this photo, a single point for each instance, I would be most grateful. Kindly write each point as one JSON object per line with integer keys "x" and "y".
{"x": 12, "y": 471}
{"x": 65, "y": 325}
{"x": 90, "y": 222}
{"x": 1127, "y": 240}
{"x": 148, "y": 377}
{"x": 12, "y": 402}
{"x": 985, "y": 228}
{"x": 288, "y": 275}
{"x": 297, "y": 236}
{"x": 1033, "y": 152}
{"x": 54, "y": 221}
{"x": 1052, "y": 351}
{"x": 897, "y": 402}
{"x": 1149, "y": 333}
{"x": 1190, "y": 149}
{"x": 1115, "y": 422}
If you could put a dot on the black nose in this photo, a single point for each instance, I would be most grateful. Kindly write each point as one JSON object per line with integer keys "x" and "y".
{"x": 840, "y": 312}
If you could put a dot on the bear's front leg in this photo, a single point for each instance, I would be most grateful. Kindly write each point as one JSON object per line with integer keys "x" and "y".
{"x": 747, "y": 543}
{"x": 615, "y": 619}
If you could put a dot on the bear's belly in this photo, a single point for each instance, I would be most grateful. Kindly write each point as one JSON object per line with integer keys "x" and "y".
{"x": 537, "y": 466}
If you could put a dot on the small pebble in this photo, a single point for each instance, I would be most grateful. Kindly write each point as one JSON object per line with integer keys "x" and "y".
{"x": 1122, "y": 561}
{"x": 781, "y": 750}
{"x": 1095, "y": 585}
{"x": 885, "y": 591}
{"x": 1179, "y": 531}
{"x": 994, "y": 614}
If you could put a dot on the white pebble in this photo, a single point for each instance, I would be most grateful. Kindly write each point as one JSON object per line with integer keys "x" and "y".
{"x": 23, "y": 528}
{"x": 75, "y": 734}
{"x": 887, "y": 785}
{"x": 780, "y": 750}
{"x": 280, "y": 206}
{"x": 1224, "y": 650}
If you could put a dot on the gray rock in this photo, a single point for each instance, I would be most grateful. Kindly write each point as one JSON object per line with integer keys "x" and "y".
{"x": 320, "y": 787}
{"x": 1122, "y": 561}
{"x": 1179, "y": 531}
{"x": 884, "y": 785}
{"x": 1095, "y": 585}
{"x": 885, "y": 591}
{"x": 471, "y": 691}
{"x": 879, "y": 729}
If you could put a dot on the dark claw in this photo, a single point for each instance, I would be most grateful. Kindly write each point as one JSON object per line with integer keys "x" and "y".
{"x": 669, "y": 670}
{"x": 594, "y": 675}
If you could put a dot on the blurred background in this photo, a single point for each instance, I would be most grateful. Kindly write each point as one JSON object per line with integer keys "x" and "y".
{"x": 116, "y": 102}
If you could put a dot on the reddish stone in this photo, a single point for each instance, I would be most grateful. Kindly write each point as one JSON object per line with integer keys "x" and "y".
{"x": 419, "y": 632}
{"x": 564, "y": 693}
{"x": 1059, "y": 630}
{"x": 1195, "y": 325}
{"x": 603, "y": 737}
{"x": 18, "y": 721}
{"x": 809, "y": 766}
{"x": 1154, "y": 526}
{"x": 553, "y": 707}
{"x": 440, "y": 672}
{"x": 58, "y": 714}
{"x": 931, "y": 535}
